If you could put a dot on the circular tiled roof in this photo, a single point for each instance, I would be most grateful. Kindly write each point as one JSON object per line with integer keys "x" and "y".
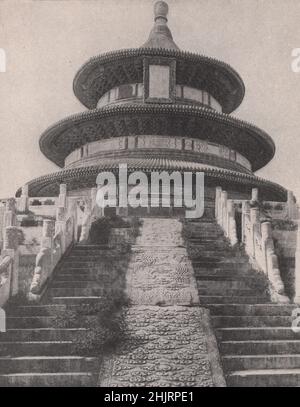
{"x": 104, "y": 72}
{"x": 61, "y": 139}
{"x": 85, "y": 177}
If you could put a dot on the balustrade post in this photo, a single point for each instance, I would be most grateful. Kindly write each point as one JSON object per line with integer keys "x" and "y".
{"x": 61, "y": 211}
{"x": 292, "y": 208}
{"x": 93, "y": 197}
{"x": 217, "y": 203}
{"x": 60, "y": 226}
{"x": 10, "y": 218}
{"x": 2, "y": 212}
{"x": 86, "y": 222}
{"x": 230, "y": 209}
{"x": 266, "y": 234}
{"x": 47, "y": 235}
{"x": 62, "y": 197}
{"x": 254, "y": 219}
{"x": 297, "y": 267}
{"x": 245, "y": 213}
{"x": 23, "y": 200}
{"x": 10, "y": 248}
{"x": 97, "y": 211}
{"x": 254, "y": 195}
{"x": 224, "y": 197}
{"x": 232, "y": 232}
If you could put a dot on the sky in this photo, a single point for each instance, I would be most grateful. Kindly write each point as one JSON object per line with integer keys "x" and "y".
{"x": 47, "y": 41}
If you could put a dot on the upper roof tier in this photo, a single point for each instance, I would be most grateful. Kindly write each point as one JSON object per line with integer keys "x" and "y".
{"x": 107, "y": 71}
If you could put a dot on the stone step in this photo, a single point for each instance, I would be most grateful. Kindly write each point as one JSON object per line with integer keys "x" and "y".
{"x": 40, "y": 310}
{"x": 200, "y": 221}
{"x": 75, "y": 284}
{"x": 75, "y": 268}
{"x": 78, "y": 300}
{"x": 218, "y": 284}
{"x": 255, "y": 362}
{"x": 208, "y": 223}
{"x": 225, "y": 272}
{"x": 223, "y": 266}
{"x": 85, "y": 247}
{"x": 264, "y": 378}
{"x": 206, "y": 238}
{"x": 219, "y": 261}
{"x": 227, "y": 291}
{"x": 92, "y": 249}
{"x": 208, "y": 243}
{"x": 216, "y": 248}
{"x": 260, "y": 347}
{"x": 77, "y": 276}
{"x": 30, "y": 322}
{"x": 242, "y": 278}
{"x": 221, "y": 299}
{"x": 217, "y": 255}
{"x": 71, "y": 379}
{"x": 35, "y": 310}
{"x": 36, "y": 348}
{"x": 202, "y": 229}
{"x": 47, "y": 364}
{"x": 84, "y": 258}
{"x": 251, "y": 321}
{"x": 80, "y": 264}
{"x": 77, "y": 292}
{"x": 256, "y": 333}
{"x": 41, "y": 334}
{"x": 86, "y": 252}
{"x": 255, "y": 310}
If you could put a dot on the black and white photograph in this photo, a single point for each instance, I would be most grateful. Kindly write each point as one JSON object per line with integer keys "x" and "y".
{"x": 149, "y": 190}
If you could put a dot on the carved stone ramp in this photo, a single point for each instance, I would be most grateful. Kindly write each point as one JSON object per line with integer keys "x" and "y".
{"x": 168, "y": 339}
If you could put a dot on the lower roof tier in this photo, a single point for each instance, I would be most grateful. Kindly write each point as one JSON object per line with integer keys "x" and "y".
{"x": 58, "y": 141}
{"x": 85, "y": 177}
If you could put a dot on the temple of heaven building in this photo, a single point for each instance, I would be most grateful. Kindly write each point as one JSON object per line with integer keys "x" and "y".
{"x": 157, "y": 108}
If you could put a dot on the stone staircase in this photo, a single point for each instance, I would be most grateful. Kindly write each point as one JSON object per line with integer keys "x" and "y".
{"x": 256, "y": 342}
{"x": 33, "y": 351}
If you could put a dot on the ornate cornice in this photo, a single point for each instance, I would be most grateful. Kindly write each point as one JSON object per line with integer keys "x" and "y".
{"x": 171, "y": 154}
{"x": 104, "y": 72}
{"x": 85, "y": 177}
{"x": 171, "y": 119}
